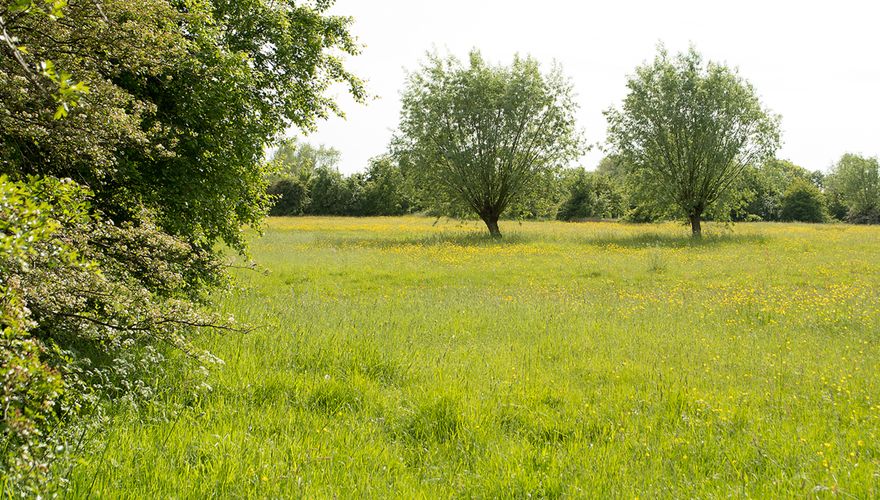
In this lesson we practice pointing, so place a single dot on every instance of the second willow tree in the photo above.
(480, 139)
(687, 131)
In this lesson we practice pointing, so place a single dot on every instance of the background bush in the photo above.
(309, 182)
(290, 196)
(803, 202)
(592, 195)
(88, 311)
(854, 184)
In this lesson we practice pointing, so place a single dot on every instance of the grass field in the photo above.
(396, 358)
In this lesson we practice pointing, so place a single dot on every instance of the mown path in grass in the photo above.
(397, 357)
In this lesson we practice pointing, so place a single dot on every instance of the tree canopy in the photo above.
(689, 130)
(475, 138)
(295, 158)
(765, 185)
(182, 99)
(856, 180)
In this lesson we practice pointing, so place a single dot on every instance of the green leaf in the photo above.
(20, 6)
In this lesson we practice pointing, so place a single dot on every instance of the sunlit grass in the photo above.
(400, 357)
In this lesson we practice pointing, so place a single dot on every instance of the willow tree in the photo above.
(688, 130)
(481, 138)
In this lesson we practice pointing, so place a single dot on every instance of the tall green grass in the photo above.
(395, 357)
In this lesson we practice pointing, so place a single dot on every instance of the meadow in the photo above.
(408, 357)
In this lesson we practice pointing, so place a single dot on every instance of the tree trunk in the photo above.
(696, 230)
(492, 223)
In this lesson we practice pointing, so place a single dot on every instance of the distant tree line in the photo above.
(307, 181)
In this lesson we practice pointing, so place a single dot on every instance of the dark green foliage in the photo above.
(290, 196)
(383, 189)
(330, 193)
(642, 214)
(765, 185)
(865, 216)
(304, 170)
(323, 190)
(592, 195)
(836, 206)
(182, 100)
(818, 179)
(635, 208)
(855, 184)
(803, 202)
(763, 197)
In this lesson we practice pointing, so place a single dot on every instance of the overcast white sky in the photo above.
(815, 63)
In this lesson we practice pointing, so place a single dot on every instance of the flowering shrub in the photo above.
(86, 309)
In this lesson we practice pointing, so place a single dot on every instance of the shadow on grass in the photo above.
(484, 239)
(461, 239)
(648, 240)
